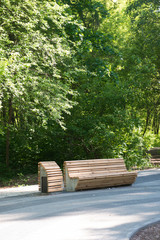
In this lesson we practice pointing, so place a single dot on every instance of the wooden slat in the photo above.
(54, 186)
(108, 182)
(54, 174)
(79, 171)
(93, 173)
(103, 176)
(95, 161)
(109, 179)
(55, 177)
(92, 166)
(75, 168)
(54, 180)
(55, 190)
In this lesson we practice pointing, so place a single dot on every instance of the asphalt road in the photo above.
(103, 214)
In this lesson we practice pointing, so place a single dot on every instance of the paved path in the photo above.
(104, 214)
(18, 191)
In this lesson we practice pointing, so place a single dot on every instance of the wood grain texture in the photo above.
(96, 173)
(54, 176)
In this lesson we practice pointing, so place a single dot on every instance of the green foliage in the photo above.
(36, 72)
(35, 77)
(142, 67)
(134, 150)
(78, 81)
(90, 12)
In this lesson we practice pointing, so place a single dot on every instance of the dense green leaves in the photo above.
(145, 53)
(79, 79)
(35, 60)
(33, 77)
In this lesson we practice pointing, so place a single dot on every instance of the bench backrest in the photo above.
(94, 166)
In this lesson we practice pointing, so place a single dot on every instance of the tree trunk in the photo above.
(147, 121)
(7, 146)
(8, 131)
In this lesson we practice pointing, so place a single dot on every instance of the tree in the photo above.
(36, 76)
(135, 28)
(99, 122)
(144, 62)
(133, 80)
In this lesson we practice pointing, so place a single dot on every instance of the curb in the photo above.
(142, 226)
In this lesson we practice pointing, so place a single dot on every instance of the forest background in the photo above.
(79, 79)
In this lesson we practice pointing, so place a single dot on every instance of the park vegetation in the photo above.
(79, 79)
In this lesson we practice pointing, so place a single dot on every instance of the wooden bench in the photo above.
(155, 155)
(155, 160)
(96, 173)
(50, 177)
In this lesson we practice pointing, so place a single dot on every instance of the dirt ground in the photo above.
(151, 232)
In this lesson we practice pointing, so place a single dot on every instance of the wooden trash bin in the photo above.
(50, 177)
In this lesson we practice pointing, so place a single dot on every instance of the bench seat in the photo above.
(96, 173)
